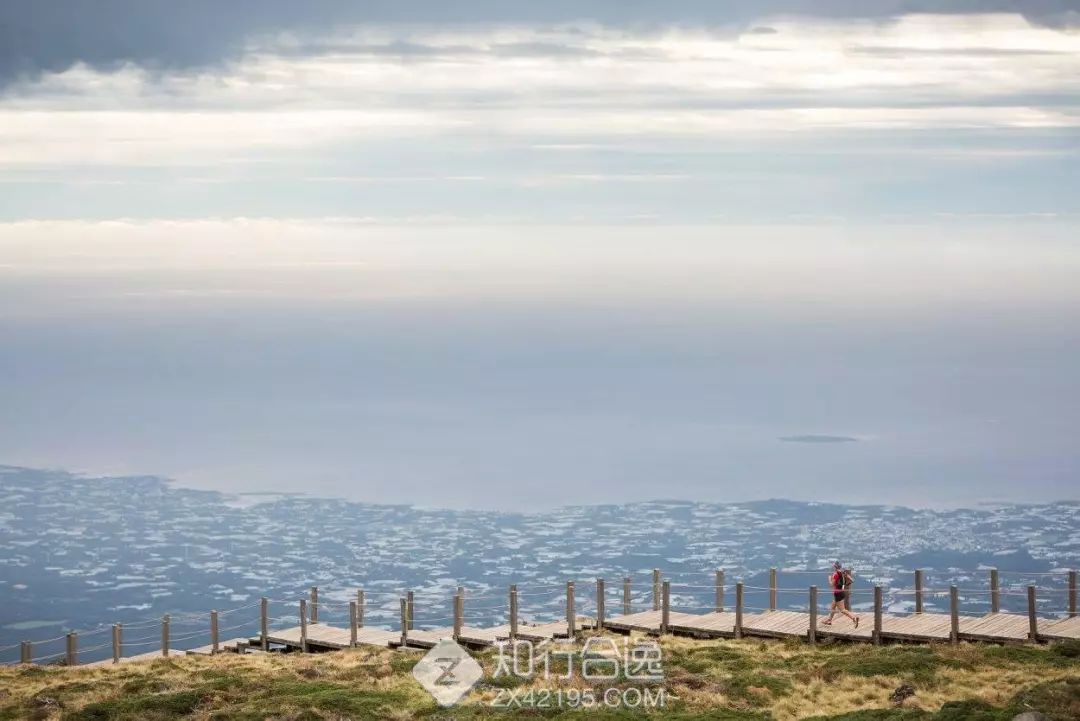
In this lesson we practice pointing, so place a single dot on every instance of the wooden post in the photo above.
(404, 622)
(359, 608)
(352, 624)
(665, 608)
(738, 609)
(656, 589)
(954, 615)
(571, 617)
(165, 635)
(314, 604)
(626, 596)
(995, 591)
(811, 635)
(303, 625)
(877, 615)
(71, 649)
(918, 590)
(410, 599)
(264, 623)
(459, 612)
(513, 612)
(599, 604)
(720, 591)
(214, 638)
(26, 652)
(1072, 594)
(117, 643)
(772, 589)
(1033, 622)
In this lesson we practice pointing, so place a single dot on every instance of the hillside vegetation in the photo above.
(747, 679)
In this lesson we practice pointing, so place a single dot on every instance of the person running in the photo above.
(836, 582)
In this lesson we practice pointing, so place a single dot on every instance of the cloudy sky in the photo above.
(521, 254)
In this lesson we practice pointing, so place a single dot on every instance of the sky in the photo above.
(519, 255)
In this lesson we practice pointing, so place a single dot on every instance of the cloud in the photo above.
(572, 122)
(814, 438)
(565, 84)
(138, 137)
(40, 37)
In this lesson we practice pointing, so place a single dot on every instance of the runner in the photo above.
(836, 582)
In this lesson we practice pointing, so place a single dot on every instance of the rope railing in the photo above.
(1036, 573)
(50, 640)
(129, 644)
(542, 593)
(489, 608)
(686, 608)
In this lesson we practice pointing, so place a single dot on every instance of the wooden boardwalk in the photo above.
(1061, 630)
(469, 636)
(844, 628)
(707, 625)
(481, 637)
(776, 624)
(741, 620)
(644, 621)
(538, 633)
(917, 627)
(920, 627)
(320, 635)
(997, 627)
(418, 638)
(323, 637)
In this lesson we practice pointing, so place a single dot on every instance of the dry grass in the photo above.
(704, 679)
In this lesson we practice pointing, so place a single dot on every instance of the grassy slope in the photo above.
(712, 680)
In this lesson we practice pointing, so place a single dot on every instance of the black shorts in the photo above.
(838, 595)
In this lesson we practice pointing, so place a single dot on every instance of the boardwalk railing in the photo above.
(695, 603)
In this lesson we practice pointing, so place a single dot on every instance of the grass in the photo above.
(735, 680)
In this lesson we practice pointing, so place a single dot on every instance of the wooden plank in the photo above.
(707, 625)
(916, 627)
(843, 627)
(676, 618)
(777, 624)
(325, 636)
(422, 639)
(549, 631)
(995, 627)
(471, 636)
(366, 636)
(646, 621)
(1060, 630)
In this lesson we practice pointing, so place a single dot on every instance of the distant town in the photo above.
(78, 552)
